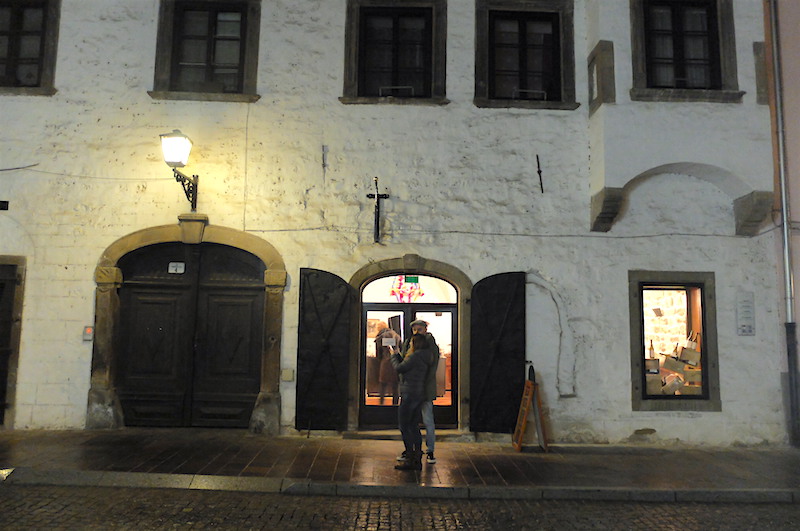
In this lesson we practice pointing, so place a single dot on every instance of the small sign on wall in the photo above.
(176, 268)
(745, 313)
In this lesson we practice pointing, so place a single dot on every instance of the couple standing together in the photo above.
(417, 368)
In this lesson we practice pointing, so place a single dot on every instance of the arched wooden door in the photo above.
(190, 335)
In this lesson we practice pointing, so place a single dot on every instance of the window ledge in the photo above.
(679, 404)
(203, 96)
(686, 95)
(392, 100)
(27, 91)
(526, 104)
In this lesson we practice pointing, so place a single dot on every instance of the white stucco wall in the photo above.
(464, 191)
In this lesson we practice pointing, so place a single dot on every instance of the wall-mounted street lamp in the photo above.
(176, 147)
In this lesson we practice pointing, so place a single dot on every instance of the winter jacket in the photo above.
(414, 368)
(430, 383)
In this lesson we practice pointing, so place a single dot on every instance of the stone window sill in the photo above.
(203, 96)
(686, 95)
(27, 91)
(525, 104)
(392, 100)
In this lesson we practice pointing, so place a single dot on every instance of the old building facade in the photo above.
(560, 184)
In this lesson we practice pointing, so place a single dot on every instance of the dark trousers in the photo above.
(409, 413)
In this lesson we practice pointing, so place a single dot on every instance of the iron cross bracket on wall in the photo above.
(377, 197)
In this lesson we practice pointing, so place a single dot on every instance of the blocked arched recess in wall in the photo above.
(104, 410)
(750, 207)
(565, 339)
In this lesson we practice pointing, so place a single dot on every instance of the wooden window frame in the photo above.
(728, 91)
(563, 10)
(679, 60)
(710, 399)
(166, 51)
(523, 19)
(48, 52)
(396, 14)
(353, 70)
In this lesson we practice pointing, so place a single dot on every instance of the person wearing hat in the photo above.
(413, 368)
(420, 327)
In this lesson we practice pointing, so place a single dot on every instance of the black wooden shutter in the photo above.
(323, 351)
(8, 281)
(497, 359)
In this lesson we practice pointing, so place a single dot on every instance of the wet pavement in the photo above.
(235, 460)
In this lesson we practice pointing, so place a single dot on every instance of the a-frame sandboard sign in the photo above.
(530, 398)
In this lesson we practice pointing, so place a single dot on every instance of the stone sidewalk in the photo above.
(332, 465)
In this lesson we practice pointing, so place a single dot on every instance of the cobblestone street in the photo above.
(55, 507)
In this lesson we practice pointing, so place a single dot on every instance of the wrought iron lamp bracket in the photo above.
(190, 186)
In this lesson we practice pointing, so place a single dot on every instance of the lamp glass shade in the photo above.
(176, 147)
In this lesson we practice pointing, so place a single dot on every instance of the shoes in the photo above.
(413, 462)
(430, 459)
(403, 456)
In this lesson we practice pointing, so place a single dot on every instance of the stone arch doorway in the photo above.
(409, 265)
(104, 407)
(389, 305)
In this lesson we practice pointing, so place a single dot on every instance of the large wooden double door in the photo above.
(191, 335)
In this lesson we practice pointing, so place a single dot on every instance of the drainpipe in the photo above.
(788, 275)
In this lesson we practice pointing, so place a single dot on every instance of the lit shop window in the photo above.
(673, 340)
(673, 333)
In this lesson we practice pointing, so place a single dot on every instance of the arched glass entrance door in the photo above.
(393, 302)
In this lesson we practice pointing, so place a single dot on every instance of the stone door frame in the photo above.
(104, 410)
(412, 264)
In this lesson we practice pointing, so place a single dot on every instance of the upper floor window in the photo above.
(684, 50)
(207, 50)
(28, 36)
(524, 58)
(682, 46)
(395, 53)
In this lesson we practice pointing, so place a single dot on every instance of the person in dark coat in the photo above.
(421, 327)
(413, 370)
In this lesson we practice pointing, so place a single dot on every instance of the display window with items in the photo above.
(673, 340)
(673, 332)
